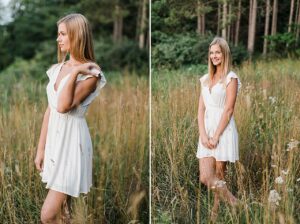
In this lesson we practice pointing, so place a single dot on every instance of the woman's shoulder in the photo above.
(232, 75)
(203, 79)
(51, 69)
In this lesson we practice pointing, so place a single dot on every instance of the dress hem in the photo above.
(64, 192)
(218, 160)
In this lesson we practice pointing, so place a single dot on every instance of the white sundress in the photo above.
(214, 101)
(68, 150)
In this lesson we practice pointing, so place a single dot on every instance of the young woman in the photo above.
(64, 154)
(218, 140)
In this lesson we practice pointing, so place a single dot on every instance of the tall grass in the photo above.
(267, 116)
(118, 122)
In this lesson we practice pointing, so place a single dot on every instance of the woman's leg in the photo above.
(52, 206)
(208, 176)
(220, 173)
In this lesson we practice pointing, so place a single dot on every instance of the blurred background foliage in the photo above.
(120, 33)
(182, 30)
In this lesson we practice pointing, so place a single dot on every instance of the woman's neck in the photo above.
(73, 62)
(218, 72)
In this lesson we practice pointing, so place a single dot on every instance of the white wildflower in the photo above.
(285, 172)
(274, 166)
(279, 180)
(273, 99)
(274, 197)
(298, 180)
(292, 144)
(219, 184)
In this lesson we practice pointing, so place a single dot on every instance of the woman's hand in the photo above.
(89, 68)
(39, 160)
(214, 142)
(205, 141)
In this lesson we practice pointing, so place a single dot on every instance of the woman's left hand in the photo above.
(87, 68)
(214, 142)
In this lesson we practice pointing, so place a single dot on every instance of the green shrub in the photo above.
(186, 49)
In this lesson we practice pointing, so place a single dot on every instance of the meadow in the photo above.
(267, 177)
(118, 120)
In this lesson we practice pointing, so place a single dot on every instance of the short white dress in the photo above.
(68, 150)
(214, 101)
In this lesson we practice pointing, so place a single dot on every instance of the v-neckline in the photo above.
(56, 90)
(210, 88)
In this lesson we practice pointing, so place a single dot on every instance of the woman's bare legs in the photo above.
(220, 173)
(212, 175)
(52, 206)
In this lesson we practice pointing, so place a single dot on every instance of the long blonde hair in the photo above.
(80, 36)
(226, 58)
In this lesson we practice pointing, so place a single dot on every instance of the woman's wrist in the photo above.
(215, 138)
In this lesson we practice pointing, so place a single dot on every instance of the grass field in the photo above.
(267, 115)
(118, 121)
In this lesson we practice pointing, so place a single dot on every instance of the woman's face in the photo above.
(62, 38)
(215, 54)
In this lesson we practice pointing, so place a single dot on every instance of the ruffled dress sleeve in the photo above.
(231, 75)
(50, 71)
(100, 84)
(203, 80)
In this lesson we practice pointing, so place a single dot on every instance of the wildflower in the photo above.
(219, 184)
(274, 197)
(285, 172)
(298, 180)
(273, 99)
(274, 166)
(279, 180)
(292, 144)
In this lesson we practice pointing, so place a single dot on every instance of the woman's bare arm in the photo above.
(231, 94)
(202, 131)
(42, 141)
(74, 92)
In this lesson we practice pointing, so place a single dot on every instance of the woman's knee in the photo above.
(203, 179)
(220, 170)
(47, 216)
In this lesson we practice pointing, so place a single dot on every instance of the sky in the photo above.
(5, 13)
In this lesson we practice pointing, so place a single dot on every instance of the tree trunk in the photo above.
(229, 22)
(224, 19)
(252, 27)
(267, 22)
(219, 19)
(237, 27)
(250, 17)
(274, 17)
(291, 16)
(298, 24)
(198, 18)
(118, 25)
(203, 24)
(143, 24)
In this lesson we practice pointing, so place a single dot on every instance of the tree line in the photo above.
(267, 28)
(119, 27)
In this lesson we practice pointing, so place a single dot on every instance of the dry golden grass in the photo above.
(267, 116)
(118, 122)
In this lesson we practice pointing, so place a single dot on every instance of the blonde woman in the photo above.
(218, 140)
(64, 154)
